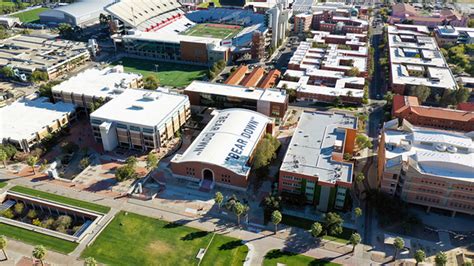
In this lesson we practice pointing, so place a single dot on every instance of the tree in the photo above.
(347, 156)
(45, 90)
(398, 244)
(276, 219)
(421, 92)
(31, 214)
(349, 94)
(219, 198)
(3, 245)
(96, 104)
(90, 261)
(420, 256)
(151, 161)
(470, 23)
(358, 212)
(360, 177)
(10, 150)
(84, 162)
(132, 161)
(266, 151)
(355, 239)
(38, 75)
(441, 259)
(3, 158)
(239, 209)
(353, 72)
(337, 101)
(316, 229)
(31, 161)
(65, 30)
(151, 83)
(6, 72)
(125, 172)
(333, 223)
(39, 253)
(461, 95)
(19, 207)
(363, 141)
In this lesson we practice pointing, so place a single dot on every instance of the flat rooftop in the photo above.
(141, 107)
(106, 83)
(434, 152)
(272, 95)
(311, 147)
(23, 118)
(231, 130)
(31, 52)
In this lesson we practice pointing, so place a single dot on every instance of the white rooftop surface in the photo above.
(81, 8)
(141, 107)
(310, 150)
(225, 134)
(408, 29)
(237, 91)
(23, 118)
(169, 37)
(444, 77)
(106, 83)
(423, 151)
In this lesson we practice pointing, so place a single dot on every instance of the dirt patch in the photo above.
(158, 247)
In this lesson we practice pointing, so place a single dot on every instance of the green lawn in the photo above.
(206, 30)
(169, 74)
(3, 184)
(61, 199)
(276, 256)
(30, 16)
(306, 224)
(33, 238)
(132, 239)
(206, 4)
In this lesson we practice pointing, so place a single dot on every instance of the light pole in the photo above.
(156, 67)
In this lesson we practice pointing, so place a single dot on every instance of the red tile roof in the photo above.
(252, 79)
(270, 79)
(466, 106)
(237, 76)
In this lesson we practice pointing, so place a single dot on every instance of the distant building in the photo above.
(28, 121)
(91, 85)
(140, 119)
(302, 23)
(28, 53)
(403, 12)
(258, 45)
(313, 166)
(429, 167)
(408, 108)
(277, 21)
(449, 35)
(270, 102)
(82, 13)
(222, 154)
(9, 22)
(257, 78)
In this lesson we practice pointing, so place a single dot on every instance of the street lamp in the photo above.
(156, 67)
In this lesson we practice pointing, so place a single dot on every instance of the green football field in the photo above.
(209, 30)
(169, 74)
(30, 16)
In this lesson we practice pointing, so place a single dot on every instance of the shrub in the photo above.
(36, 222)
(63, 221)
(19, 207)
(8, 213)
(47, 223)
(31, 214)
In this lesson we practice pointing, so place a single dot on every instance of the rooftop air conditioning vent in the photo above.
(441, 147)
(452, 149)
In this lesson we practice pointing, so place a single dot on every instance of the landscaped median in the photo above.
(278, 257)
(3, 184)
(132, 239)
(60, 199)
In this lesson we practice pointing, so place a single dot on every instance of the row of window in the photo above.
(459, 196)
(461, 205)
(431, 191)
(291, 184)
(292, 178)
(433, 183)
(190, 171)
(427, 199)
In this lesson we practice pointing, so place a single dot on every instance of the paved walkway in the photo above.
(291, 239)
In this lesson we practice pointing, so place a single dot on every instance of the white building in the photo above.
(27, 121)
(81, 13)
(92, 84)
(277, 21)
(140, 119)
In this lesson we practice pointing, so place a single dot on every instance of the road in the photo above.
(291, 239)
(376, 84)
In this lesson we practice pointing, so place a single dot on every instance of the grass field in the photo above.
(30, 16)
(206, 4)
(205, 30)
(61, 199)
(3, 184)
(33, 238)
(275, 257)
(169, 74)
(132, 239)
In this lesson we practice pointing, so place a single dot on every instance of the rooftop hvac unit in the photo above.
(441, 147)
(149, 96)
(452, 149)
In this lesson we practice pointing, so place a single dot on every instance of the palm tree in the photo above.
(219, 198)
(420, 256)
(3, 245)
(31, 161)
(355, 240)
(239, 209)
(39, 253)
(360, 177)
(441, 259)
(276, 219)
(398, 244)
(357, 212)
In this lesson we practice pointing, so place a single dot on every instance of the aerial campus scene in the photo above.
(236, 132)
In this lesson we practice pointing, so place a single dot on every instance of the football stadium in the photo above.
(161, 30)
